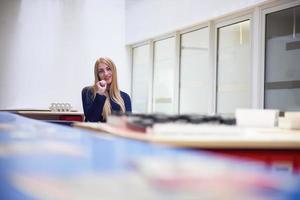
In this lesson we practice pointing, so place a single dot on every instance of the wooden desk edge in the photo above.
(183, 142)
(50, 113)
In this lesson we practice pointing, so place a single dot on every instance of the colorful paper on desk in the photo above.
(34, 148)
(161, 178)
(89, 186)
(127, 169)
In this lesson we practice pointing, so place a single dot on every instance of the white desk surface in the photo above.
(238, 138)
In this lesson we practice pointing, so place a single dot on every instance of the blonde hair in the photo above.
(114, 92)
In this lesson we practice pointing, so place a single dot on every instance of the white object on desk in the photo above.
(292, 115)
(60, 107)
(266, 118)
(291, 120)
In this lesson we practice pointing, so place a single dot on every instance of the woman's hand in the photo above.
(101, 87)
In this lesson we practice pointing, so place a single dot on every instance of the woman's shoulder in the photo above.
(87, 92)
(124, 95)
(87, 89)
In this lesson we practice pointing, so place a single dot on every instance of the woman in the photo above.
(104, 97)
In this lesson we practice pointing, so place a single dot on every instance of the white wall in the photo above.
(48, 49)
(149, 18)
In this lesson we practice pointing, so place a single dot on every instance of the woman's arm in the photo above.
(92, 107)
(127, 102)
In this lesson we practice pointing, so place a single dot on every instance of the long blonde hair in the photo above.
(114, 92)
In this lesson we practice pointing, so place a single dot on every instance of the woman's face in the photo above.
(105, 73)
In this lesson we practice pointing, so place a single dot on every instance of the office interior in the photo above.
(173, 57)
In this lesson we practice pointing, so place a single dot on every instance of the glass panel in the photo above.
(283, 99)
(140, 80)
(195, 82)
(164, 73)
(234, 63)
(282, 59)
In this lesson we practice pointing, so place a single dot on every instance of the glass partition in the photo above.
(141, 77)
(282, 58)
(195, 74)
(164, 76)
(234, 67)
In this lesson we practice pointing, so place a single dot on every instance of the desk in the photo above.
(49, 115)
(40, 160)
(278, 149)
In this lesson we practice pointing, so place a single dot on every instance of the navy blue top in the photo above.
(93, 107)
